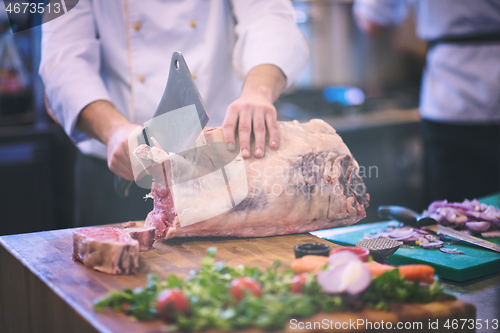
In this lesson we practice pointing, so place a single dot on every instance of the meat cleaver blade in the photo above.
(178, 132)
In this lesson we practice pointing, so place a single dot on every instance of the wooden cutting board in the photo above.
(43, 290)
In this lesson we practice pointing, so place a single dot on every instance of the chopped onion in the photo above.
(478, 226)
(437, 204)
(473, 213)
(422, 241)
(433, 245)
(491, 234)
(410, 239)
(451, 251)
(432, 238)
(399, 234)
(459, 214)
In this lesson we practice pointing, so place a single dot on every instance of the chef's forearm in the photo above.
(267, 80)
(100, 119)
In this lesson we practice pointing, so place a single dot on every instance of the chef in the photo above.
(105, 65)
(460, 94)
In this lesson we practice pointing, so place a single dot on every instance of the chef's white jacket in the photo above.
(461, 82)
(120, 51)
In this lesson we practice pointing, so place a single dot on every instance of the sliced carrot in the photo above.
(377, 269)
(308, 264)
(422, 273)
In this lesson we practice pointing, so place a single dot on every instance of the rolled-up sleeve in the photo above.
(267, 34)
(383, 12)
(69, 66)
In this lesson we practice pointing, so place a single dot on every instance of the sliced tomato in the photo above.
(361, 252)
(240, 286)
(298, 282)
(170, 302)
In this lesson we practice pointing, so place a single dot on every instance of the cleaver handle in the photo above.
(405, 215)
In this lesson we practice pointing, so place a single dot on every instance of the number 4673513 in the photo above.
(26, 7)
(471, 324)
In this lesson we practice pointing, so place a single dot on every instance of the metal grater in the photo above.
(380, 248)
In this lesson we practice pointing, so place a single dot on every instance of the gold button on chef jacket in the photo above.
(99, 51)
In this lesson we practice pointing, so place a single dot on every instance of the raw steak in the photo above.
(311, 182)
(108, 250)
(144, 235)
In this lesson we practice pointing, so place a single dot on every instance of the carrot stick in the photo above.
(308, 264)
(422, 273)
(377, 269)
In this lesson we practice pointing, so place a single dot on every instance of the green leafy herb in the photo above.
(213, 307)
(390, 287)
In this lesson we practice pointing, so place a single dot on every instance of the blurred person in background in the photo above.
(105, 65)
(460, 93)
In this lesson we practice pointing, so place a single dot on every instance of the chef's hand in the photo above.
(254, 110)
(118, 152)
(102, 121)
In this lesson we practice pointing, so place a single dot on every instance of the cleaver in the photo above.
(408, 216)
(178, 120)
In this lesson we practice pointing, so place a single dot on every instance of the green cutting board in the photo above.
(475, 261)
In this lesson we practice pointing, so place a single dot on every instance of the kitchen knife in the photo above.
(179, 133)
(408, 216)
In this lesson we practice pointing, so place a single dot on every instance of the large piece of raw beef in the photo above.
(311, 182)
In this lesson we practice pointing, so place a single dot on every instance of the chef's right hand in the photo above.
(118, 152)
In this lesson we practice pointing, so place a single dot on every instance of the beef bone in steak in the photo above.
(144, 235)
(108, 250)
(310, 182)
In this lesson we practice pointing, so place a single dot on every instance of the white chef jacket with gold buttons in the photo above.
(120, 51)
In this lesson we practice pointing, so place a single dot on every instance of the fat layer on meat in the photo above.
(310, 182)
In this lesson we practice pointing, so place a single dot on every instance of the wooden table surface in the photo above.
(43, 290)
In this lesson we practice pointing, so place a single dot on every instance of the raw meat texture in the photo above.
(311, 182)
(108, 250)
(144, 235)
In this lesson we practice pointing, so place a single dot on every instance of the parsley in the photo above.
(212, 306)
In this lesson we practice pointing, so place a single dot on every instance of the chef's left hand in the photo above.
(254, 111)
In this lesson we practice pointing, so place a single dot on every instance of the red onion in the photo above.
(437, 204)
(433, 245)
(491, 214)
(422, 241)
(473, 213)
(491, 234)
(451, 251)
(431, 237)
(345, 273)
(340, 258)
(459, 214)
(399, 234)
(436, 216)
(478, 226)
(410, 239)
